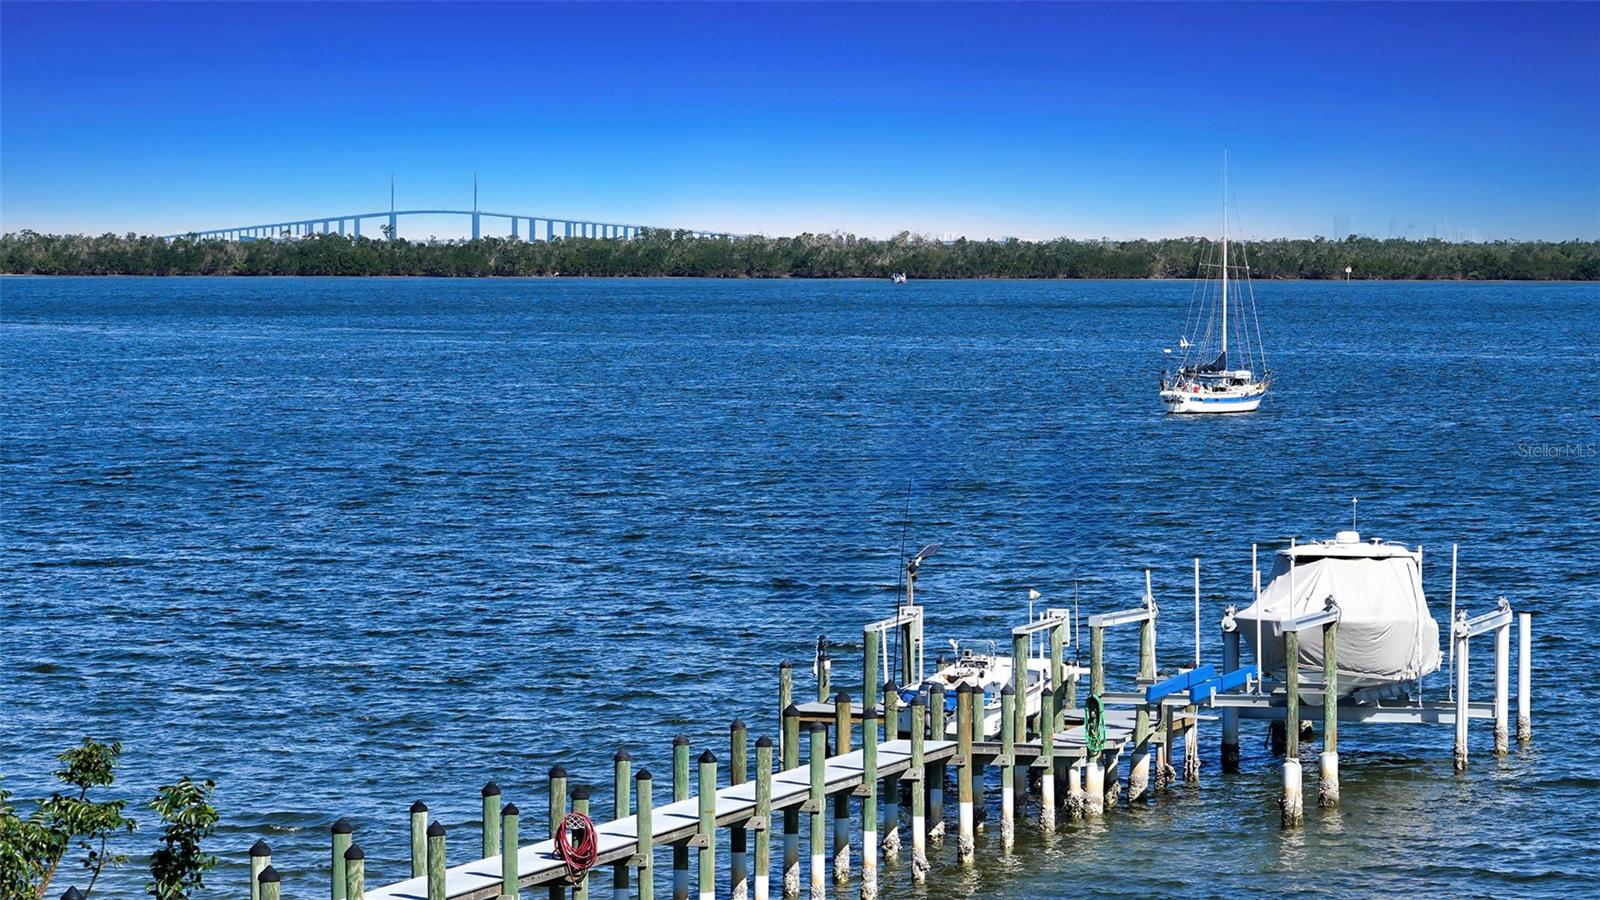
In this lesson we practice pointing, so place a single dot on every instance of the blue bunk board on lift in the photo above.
(1238, 678)
(1180, 682)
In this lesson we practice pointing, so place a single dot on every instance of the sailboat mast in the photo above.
(1224, 258)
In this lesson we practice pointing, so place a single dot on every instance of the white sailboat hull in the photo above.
(1186, 402)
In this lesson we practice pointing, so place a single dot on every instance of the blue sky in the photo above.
(986, 120)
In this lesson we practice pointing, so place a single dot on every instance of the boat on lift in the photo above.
(1211, 377)
(988, 672)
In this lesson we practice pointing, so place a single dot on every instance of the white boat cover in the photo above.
(1386, 634)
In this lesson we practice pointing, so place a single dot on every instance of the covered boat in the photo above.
(1387, 638)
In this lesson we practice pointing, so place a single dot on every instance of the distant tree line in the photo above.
(669, 253)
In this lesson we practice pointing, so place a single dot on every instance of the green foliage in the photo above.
(178, 867)
(32, 849)
(670, 253)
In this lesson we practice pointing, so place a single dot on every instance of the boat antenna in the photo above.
(1353, 502)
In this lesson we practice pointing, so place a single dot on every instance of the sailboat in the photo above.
(1211, 377)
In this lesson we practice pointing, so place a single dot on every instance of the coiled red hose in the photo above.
(577, 845)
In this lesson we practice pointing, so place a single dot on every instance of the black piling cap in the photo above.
(790, 711)
(558, 772)
(763, 742)
(1010, 690)
(419, 807)
(964, 688)
(707, 757)
(342, 826)
(869, 712)
(889, 687)
(737, 725)
(72, 893)
(644, 775)
(681, 740)
(269, 875)
(621, 756)
(510, 809)
(786, 665)
(581, 792)
(354, 852)
(491, 790)
(818, 726)
(260, 848)
(841, 697)
(436, 829)
(918, 700)
(936, 688)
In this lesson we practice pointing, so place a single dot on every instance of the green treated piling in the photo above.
(936, 771)
(269, 880)
(680, 792)
(967, 823)
(1047, 759)
(510, 817)
(785, 698)
(491, 819)
(558, 812)
(791, 815)
(355, 873)
(1139, 771)
(645, 859)
(1292, 808)
(817, 804)
(1019, 682)
(891, 784)
(869, 801)
(419, 839)
(340, 832)
(1328, 786)
(916, 773)
(841, 800)
(621, 793)
(707, 834)
(436, 861)
(763, 861)
(1097, 665)
(869, 667)
(1059, 683)
(738, 839)
(824, 670)
(580, 805)
(260, 859)
(1008, 761)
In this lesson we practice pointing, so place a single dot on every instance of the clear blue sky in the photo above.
(1028, 120)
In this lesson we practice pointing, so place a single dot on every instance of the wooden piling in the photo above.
(680, 791)
(1019, 682)
(1047, 761)
(869, 801)
(934, 782)
(269, 881)
(340, 832)
(558, 812)
(1008, 760)
(260, 859)
(1230, 717)
(580, 806)
(1328, 785)
(491, 819)
(510, 817)
(1139, 769)
(1060, 684)
(738, 839)
(355, 873)
(916, 773)
(816, 805)
(785, 699)
(437, 864)
(1524, 678)
(644, 859)
(791, 815)
(1461, 698)
(841, 800)
(1077, 799)
(824, 670)
(869, 666)
(706, 836)
(1291, 807)
(1502, 688)
(967, 824)
(419, 839)
(763, 860)
(891, 784)
(621, 806)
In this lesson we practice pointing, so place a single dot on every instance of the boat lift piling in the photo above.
(915, 753)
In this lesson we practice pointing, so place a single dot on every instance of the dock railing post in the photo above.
(707, 834)
(1328, 786)
(680, 792)
(763, 861)
(817, 805)
(1524, 678)
(1230, 717)
(340, 832)
(580, 806)
(1008, 760)
(1461, 643)
(1292, 808)
(841, 800)
(916, 773)
(644, 859)
(419, 839)
(621, 803)
(436, 861)
(491, 820)
(791, 815)
(738, 838)
(509, 819)
(1047, 757)
(934, 782)
(869, 800)
(260, 858)
(1502, 685)
(558, 812)
(891, 784)
(355, 873)
(966, 827)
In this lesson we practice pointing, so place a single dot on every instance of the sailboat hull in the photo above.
(1184, 403)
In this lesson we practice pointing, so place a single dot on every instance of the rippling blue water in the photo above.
(343, 544)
